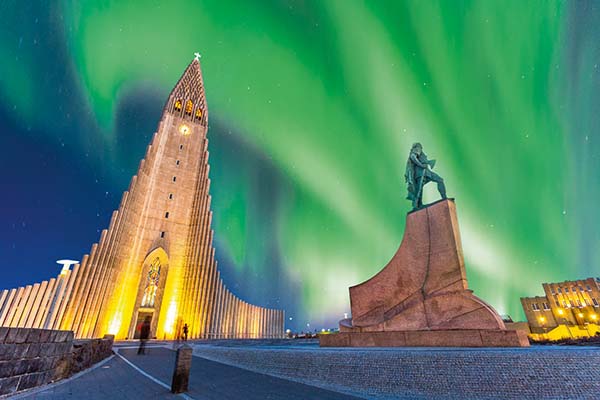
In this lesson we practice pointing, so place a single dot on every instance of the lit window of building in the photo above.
(189, 106)
(177, 106)
(151, 284)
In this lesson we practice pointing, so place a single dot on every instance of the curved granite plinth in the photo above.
(421, 297)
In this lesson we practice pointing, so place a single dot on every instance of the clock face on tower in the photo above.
(184, 130)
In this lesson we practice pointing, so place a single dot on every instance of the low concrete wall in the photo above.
(539, 372)
(34, 357)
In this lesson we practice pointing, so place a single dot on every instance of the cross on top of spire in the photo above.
(197, 56)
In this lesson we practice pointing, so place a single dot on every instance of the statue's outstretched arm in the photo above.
(414, 159)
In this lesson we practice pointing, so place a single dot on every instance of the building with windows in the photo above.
(568, 309)
(156, 259)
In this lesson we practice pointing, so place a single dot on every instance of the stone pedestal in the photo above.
(181, 374)
(421, 297)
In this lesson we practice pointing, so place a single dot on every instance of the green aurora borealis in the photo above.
(313, 106)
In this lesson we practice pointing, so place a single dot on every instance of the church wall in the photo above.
(102, 294)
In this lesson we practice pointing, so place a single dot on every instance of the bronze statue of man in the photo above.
(418, 174)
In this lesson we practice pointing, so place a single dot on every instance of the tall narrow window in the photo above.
(167, 214)
(595, 302)
(174, 178)
(162, 234)
(199, 113)
(180, 147)
(151, 283)
(177, 106)
(177, 162)
(189, 106)
(170, 196)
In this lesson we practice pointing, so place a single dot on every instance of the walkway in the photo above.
(209, 380)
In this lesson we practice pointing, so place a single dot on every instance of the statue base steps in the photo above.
(428, 338)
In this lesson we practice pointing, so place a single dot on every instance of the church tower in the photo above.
(156, 260)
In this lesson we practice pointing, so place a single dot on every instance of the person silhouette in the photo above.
(144, 335)
(185, 331)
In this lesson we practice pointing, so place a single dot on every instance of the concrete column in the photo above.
(181, 374)
(28, 309)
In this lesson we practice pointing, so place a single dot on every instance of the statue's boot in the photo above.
(442, 189)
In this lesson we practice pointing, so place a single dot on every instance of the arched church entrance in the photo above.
(150, 292)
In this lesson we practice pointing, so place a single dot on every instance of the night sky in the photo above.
(313, 108)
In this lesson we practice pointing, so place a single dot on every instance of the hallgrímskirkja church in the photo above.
(156, 259)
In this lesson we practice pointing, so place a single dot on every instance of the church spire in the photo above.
(187, 98)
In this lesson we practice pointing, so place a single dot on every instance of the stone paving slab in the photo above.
(215, 381)
(113, 380)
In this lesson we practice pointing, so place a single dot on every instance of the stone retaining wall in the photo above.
(33, 357)
(542, 372)
(89, 352)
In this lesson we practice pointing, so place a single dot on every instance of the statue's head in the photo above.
(416, 148)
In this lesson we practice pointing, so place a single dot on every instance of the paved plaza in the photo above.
(209, 380)
(299, 369)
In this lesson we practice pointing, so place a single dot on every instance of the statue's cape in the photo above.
(410, 175)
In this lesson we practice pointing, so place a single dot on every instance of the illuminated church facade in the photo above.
(156, 259)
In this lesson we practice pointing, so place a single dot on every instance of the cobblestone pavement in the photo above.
(537, 372)
(215, 381)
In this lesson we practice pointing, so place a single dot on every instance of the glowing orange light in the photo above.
(170, 320)
(560, 311)
(184, 130)
(115, 324)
